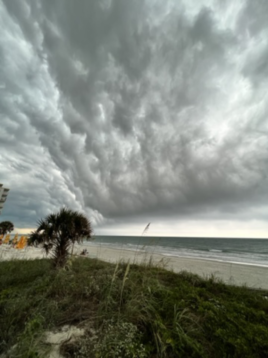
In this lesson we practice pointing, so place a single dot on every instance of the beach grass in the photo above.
(127, 310)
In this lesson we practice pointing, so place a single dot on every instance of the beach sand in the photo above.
(230, 273)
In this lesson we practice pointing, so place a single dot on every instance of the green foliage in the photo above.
(57, 232)
(6, 227)
(119, 339)
(28, 342)
(130, 310)
(113, 340)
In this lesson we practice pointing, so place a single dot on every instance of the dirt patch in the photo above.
(65, 334)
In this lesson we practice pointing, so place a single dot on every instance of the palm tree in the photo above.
(5, 227)
(57, 232)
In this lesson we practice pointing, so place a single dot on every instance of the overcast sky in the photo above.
(135, 112)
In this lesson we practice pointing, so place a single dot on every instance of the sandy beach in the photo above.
(230, 273)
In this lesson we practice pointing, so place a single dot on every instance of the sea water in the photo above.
(243, 251)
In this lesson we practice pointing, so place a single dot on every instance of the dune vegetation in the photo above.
(127, 310)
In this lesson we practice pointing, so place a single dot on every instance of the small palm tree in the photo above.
(57, 232)
(6, 227)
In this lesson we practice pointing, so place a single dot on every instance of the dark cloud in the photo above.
(128, 108)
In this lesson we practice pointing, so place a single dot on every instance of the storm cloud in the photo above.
(125, 109)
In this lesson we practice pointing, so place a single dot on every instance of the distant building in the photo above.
(3, 196)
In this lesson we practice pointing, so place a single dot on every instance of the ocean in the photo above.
(241, 251)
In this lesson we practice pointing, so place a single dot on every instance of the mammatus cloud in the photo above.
(124, 109)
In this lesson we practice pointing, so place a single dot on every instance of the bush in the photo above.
(114, 340)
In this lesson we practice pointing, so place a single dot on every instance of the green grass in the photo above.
(128, 311)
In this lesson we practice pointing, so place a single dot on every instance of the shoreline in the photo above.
(230, 273)
(176, 256)
(238, 274)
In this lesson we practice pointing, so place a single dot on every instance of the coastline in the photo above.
(231, 273)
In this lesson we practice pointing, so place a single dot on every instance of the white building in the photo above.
(3, 196)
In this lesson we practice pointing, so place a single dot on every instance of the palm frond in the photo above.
(58, 231)
(35, 238)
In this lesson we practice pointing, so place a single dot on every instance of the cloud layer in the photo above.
(124, 109)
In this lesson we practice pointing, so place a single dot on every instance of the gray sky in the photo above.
(135, 112)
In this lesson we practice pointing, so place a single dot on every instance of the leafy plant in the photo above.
(114, 340)
(6, 227)
(28, 344)
(57, 232)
